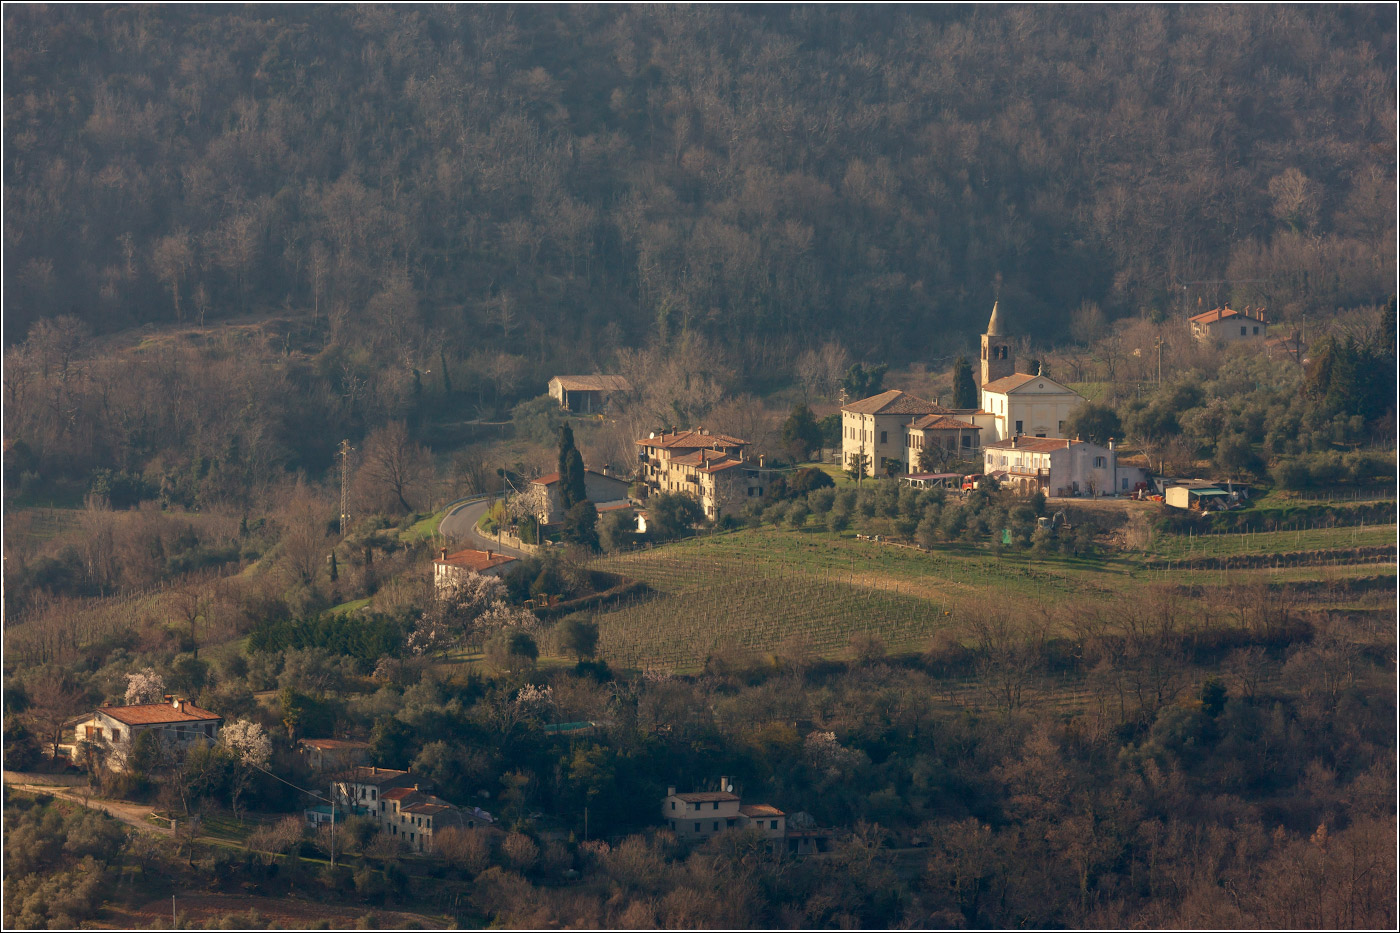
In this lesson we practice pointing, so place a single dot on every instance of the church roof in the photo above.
(994, 326)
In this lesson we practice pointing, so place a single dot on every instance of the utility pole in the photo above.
(1159, 359)
(345, 449)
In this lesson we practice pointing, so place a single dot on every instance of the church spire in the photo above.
(994, 325)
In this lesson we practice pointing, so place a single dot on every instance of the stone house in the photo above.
(586, 393)
(333, 754)
(177, 722)
(544, 496)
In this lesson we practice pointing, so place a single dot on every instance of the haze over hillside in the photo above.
(538, 178)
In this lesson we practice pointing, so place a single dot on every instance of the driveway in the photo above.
(460, 525)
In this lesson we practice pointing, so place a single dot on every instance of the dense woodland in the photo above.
(528, 179)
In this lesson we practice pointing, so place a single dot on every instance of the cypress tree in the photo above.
(964, 388)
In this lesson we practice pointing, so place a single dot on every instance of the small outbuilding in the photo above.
(586, 393)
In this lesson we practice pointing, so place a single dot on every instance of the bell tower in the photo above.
(997, 360)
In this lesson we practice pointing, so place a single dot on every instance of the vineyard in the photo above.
(766, 591)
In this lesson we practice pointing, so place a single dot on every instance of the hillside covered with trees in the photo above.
(531, 179)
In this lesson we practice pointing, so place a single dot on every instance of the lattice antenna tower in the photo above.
(345, 449)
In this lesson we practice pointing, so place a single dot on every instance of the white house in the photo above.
(1024, 404)
(178, 724)
(699, 815)
(451, 570)
(545, 494)
(1054, 466)
(1230, 326)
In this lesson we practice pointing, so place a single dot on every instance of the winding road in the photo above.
(460, 525)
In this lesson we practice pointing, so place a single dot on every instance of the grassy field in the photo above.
(762, 590)
(1177, 547)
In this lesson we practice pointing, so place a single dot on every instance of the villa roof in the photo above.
(693, 439)
(941, 423)
(707, 797)
(1227, 312)
(1037, 445)
(895, 402)
(146, 714)
(368, 774)
(760, 809)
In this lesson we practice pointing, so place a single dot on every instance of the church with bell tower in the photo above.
(1020, 404)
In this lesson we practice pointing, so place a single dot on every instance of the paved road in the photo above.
(460, 526)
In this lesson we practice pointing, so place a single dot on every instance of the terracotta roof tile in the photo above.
(146, 714)
(894, 402)
(1007, 383)
(941, 423)
(549, 479)
(691, 440)
(1033, 444)
(761, 809)
(1227, 312)
(707, 797)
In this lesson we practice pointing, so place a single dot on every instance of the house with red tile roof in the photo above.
(1226, 325)
(176, 722)
(450, 570)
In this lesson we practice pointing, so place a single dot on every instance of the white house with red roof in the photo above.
(451, 570)
(177, 722)
(1021, 403)
(1227, 325)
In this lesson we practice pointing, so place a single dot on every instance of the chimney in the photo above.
(442, 554)
(373, 769)
(490, 554)
(1110, 443)
(760, 461)
(723, 783)
(671, 791)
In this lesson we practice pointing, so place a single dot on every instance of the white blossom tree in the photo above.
(250, 748)
(144, 687)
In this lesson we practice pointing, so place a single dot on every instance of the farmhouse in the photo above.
(177, 723)
(697, 816)
(586, 393)
(1227, 325)
(1054, 466)
(451, 570)
(544, 496)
